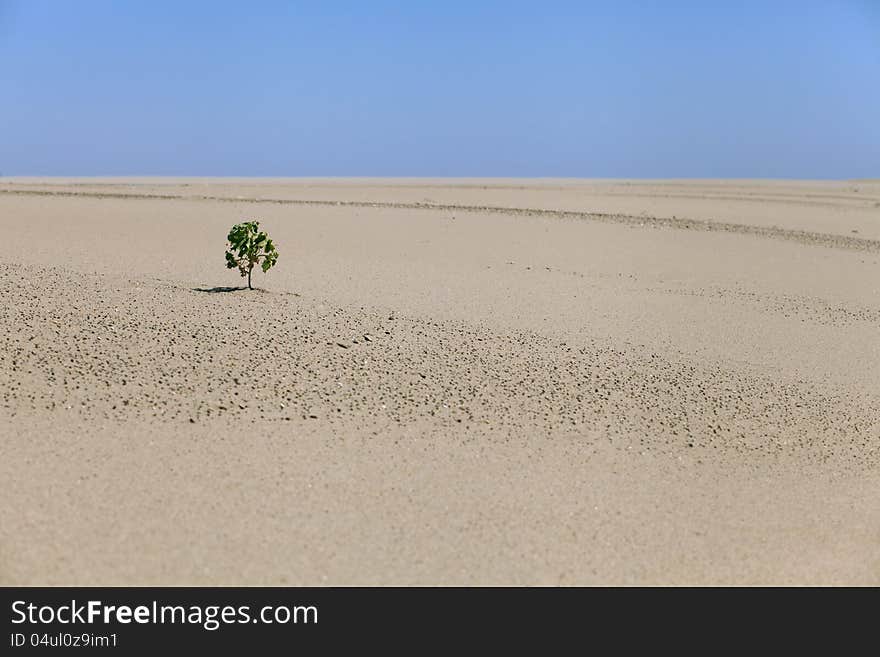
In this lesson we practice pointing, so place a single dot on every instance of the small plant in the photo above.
(249, 246)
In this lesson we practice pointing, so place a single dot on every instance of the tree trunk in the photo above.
(249, 278)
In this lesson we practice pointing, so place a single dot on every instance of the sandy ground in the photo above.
(442, 382)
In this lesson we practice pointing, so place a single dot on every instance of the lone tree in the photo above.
(249, 246)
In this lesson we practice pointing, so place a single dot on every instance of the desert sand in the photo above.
(442, 382)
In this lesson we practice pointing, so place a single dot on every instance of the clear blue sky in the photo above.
(747, 88)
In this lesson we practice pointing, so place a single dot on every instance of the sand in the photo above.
(442, 382)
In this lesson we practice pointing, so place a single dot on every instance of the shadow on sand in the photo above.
(219, 290)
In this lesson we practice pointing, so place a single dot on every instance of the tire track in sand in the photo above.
(810, 238)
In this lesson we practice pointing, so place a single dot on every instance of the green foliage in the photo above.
(248, 247)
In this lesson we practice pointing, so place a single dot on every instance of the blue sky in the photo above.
(459, 88)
